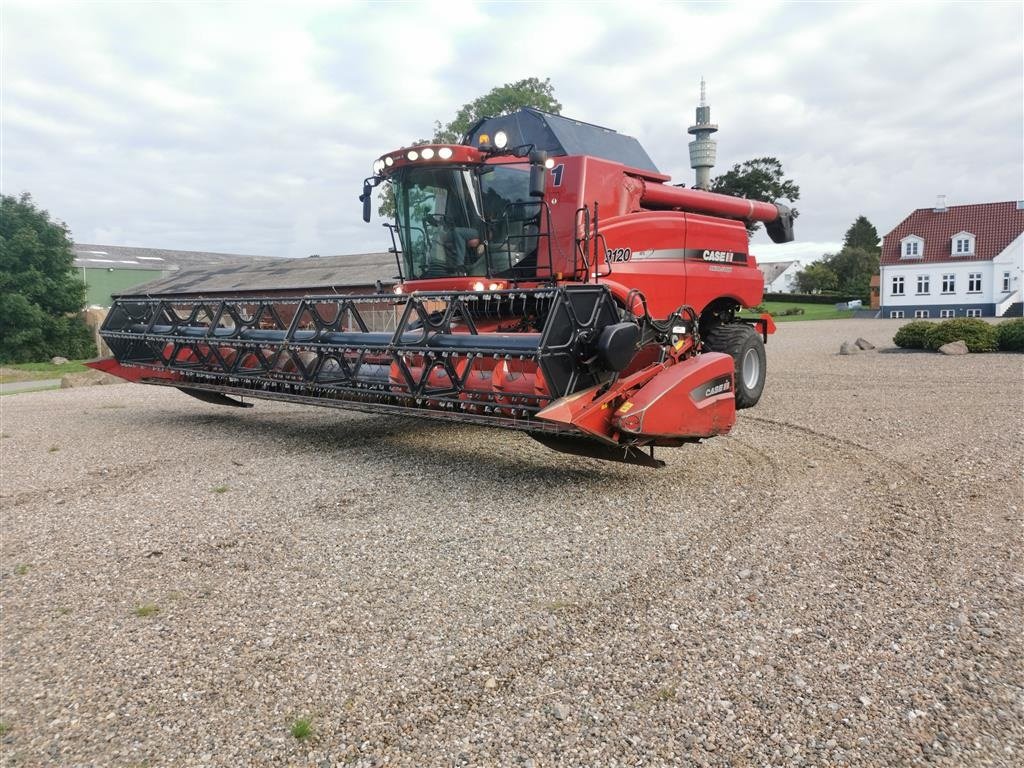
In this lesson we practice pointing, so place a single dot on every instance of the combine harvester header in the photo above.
(550, 281)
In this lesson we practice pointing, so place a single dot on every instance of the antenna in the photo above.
(703, 92)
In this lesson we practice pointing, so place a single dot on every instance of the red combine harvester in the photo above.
(550, 281)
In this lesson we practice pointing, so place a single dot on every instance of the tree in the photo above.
(502, 100)
(816, 278)
(853, 268)
(758, 179)
(862, 234)
(41, 291)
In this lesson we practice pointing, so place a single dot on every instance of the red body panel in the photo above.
(691, 399)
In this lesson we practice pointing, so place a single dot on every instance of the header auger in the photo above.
(550, 281)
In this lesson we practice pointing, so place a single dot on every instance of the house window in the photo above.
(897, 286)
(923, 283)
(947, 313)
(911, 247)
(1006, 282)
(974, 282)
(949, 283)
(963, 244)
(974, 313)
(896, 314)
(920, 313)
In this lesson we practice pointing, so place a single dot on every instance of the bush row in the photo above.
(1007, 336)
(811, 298)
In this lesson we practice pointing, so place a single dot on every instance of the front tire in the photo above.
(744, 345)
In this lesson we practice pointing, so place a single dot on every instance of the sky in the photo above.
(247, 127)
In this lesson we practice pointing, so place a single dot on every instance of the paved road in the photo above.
(11, 387)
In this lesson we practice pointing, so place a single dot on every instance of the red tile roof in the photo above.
(994, 226)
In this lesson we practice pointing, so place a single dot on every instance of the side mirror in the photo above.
(538, 173)
(367, 200)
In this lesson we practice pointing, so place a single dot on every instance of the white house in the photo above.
(779, 276)
(960, 261)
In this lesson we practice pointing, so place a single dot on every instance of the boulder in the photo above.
(954, 348)
(864, 344)
(58, 360)
(87, 379)
(849, 348)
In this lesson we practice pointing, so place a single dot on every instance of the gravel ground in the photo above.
(837, 582)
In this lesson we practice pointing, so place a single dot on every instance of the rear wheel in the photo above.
(744, 345)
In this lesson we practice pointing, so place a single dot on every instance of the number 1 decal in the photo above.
(557, 172)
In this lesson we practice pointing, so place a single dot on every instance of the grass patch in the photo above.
(221, 489)
(666, 694)
(33, 371)
(810, 312)
(4, 728)
(301, 728)
(53, 448)
(22, 569)
(146, 610)
(559, 605)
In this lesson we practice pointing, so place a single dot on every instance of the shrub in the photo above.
(913, 335)
(1010, 335)
(977, 334)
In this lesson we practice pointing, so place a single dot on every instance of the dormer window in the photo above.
(962, 244)
(911, 247)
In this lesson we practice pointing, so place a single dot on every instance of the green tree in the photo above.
(816, 278)
(502, 100)
(759, 179)
(41, 292)
(862, 234)
(853, 268)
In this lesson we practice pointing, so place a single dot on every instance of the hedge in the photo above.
(812, 298)
(913, 335)
(977, 334)
(1010, 335)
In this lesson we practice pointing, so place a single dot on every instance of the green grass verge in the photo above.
(810, 312)
(32, 371)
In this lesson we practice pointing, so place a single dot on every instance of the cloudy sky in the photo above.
(248, 127)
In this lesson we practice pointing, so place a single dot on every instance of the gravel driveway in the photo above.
(837, 582)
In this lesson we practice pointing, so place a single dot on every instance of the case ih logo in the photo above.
(710, 389)
(719, 257)
(715, 257)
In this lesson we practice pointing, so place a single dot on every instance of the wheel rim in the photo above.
(751, 369)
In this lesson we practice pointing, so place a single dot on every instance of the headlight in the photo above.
(478, 286)
(445, 153)
(389, 161)
(413, 155)
(549, 163)
(428, 154)
(500, 139)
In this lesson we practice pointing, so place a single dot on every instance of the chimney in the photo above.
(940, 204)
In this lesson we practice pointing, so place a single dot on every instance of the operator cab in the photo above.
(456, 221)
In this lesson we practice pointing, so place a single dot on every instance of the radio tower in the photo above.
(703, 147)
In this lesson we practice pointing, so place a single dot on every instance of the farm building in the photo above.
(956, 261)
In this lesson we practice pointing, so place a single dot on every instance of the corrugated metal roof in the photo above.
(994, 226)
(94, 256)
(309, 275)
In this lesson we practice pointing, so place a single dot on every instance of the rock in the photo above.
(986, 631)
(849, 349)
(87, 379)
(954, 348)
(864, 344)
(865, 701)
(746, 573)
(491, 683)
(58, 360)
(559, 712)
